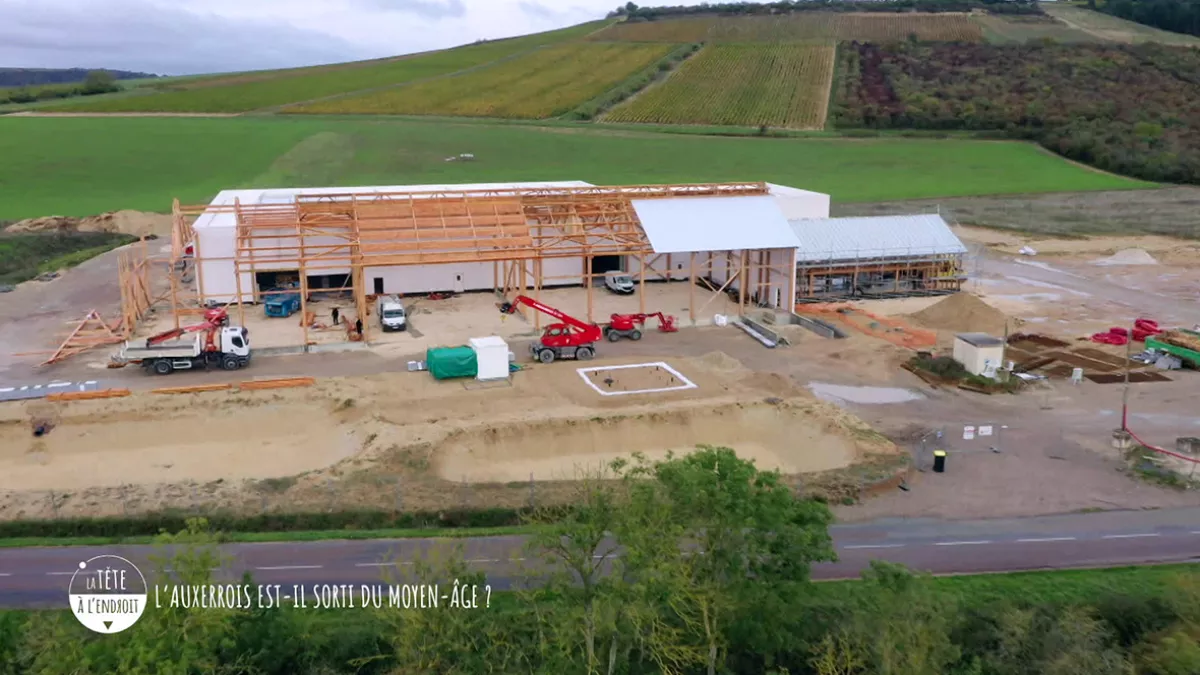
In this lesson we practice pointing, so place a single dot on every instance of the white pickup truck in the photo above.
(231, 351)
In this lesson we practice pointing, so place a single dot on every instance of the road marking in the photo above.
(1030, 541)
(388, 564)
(874, 546)
(1129, 536)
(59, 574)
(1195, 531)
(291, 567)
(484, 560)
(961, 543)
(5, 574)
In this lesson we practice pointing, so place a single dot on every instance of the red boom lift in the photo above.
(571, 339)
(627, 325)
(214, 319)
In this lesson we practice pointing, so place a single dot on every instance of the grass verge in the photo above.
(24, 255)
(265, 537)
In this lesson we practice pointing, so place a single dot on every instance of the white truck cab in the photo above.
(618, 282)
(392, 315)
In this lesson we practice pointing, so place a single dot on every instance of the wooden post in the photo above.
(742, 286)
(197, 257)
(642, 282)
(304, 303)
(692, 287)
(588, 281)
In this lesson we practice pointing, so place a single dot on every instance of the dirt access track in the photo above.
(404, 439)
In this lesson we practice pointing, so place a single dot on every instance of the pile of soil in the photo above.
(136, 223)
(1129, 256)
(963, 313)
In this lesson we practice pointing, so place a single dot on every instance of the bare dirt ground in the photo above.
(427, 440)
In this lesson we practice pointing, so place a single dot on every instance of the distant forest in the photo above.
(633, 12)
(1179, 16)
(33, 77)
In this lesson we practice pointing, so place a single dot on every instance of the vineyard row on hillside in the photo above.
(545, 83)
(1127, 109)
(798, 27)
(781, 85)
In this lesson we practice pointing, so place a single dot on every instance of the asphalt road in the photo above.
(39, 577)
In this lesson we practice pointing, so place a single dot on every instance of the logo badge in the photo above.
(107, 593)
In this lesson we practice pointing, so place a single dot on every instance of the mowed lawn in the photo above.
(83, 166)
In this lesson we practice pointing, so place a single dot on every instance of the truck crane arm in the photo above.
(213, 319)
(551, 311)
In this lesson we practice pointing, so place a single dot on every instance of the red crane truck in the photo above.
(220, 345)
(571, 339)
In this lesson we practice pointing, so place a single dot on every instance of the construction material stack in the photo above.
(446, 363)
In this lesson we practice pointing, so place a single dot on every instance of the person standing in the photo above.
(335, 316)
(358, 326)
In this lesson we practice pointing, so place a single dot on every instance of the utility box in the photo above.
(491, 357)
(979, 353)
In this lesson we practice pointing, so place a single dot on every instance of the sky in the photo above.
(184, 37)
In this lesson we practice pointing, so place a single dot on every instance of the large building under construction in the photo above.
(759, 244)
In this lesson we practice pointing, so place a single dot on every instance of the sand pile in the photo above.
(136, 223)
(962, 313)
(1129, 256)
(721, 362)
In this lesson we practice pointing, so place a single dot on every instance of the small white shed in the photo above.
(978, 352)
(491, 356)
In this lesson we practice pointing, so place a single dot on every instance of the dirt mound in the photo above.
(962, 312)
(136, 223)
(721, 362)
(1129, 256)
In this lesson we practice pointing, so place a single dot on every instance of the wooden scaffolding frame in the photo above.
(911, 274)
(516, 229)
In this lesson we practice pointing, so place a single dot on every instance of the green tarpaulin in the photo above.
(447, 362)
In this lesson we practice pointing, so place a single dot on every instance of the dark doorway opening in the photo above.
(378, 286)
(606, 263)
(318, 282)
(271, 281)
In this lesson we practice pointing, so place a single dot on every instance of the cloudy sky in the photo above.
(180, 37)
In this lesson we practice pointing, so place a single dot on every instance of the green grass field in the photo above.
(84, 166)
(254, 91)
(544, 83)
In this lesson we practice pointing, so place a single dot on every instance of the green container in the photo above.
(449, 362)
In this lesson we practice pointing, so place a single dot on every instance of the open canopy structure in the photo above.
(518, 230)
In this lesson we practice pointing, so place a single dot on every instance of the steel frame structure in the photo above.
(516, 229)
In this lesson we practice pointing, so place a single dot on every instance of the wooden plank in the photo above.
(86, 395)
(250, 385)
(192, 389)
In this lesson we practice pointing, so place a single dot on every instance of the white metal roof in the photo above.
(874, 237)
(686, 224)
(786, 191)
(288, 195)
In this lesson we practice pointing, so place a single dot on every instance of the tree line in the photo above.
(1127, 109)
(1178, 16)
(633, 12)
(615, 592)
(96, 82)
(34, 77)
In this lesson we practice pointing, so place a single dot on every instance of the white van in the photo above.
(618, 282)
(391, 313)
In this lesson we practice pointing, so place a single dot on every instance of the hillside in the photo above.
(34, 77)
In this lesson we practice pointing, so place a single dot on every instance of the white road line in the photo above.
(1030, 541)
(961, 543)
(1195, 531)
(1129, 536)
(5, 390)
(5, 574)
(291, 567)
(59, 574)
(874, 546)
(483, 560)
(392, 564)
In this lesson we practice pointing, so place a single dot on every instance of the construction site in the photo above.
(437, 347)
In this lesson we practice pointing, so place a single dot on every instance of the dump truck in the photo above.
(1171, 342)
(216, 344)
